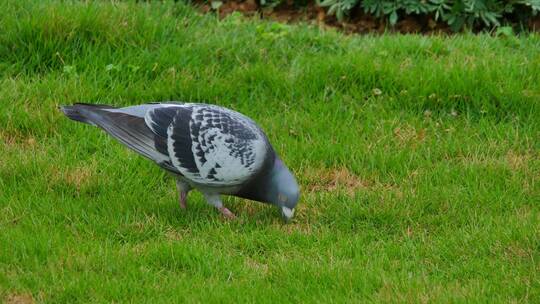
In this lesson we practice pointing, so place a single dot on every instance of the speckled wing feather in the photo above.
(208, 144)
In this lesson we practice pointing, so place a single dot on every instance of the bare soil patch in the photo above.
(330, 180)
(23, 298)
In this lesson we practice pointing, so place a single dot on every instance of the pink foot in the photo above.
(227, 213)
(183, 203)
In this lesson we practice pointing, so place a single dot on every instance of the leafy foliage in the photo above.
(458, 14)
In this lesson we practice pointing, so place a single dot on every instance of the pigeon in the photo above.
(206, 147)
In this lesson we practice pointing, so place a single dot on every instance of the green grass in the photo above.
(418, 158)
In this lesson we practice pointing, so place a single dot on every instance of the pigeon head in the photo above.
(284, 191)
(275, 185)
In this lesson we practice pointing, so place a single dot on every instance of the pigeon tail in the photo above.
(130, 130)
(74, 112)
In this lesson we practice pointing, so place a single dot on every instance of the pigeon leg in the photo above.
(183, 190)
(215, 200)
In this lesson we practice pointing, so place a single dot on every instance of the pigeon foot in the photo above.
(183, 200)
(227, 213)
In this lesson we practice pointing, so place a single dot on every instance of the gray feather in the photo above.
(130, 130)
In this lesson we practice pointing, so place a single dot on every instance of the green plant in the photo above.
(339, 7)
(458, 14)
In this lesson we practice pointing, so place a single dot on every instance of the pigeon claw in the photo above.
(227, 213)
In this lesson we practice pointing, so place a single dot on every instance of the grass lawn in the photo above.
(418, 158)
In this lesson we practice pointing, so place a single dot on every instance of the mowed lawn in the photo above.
(418, 159)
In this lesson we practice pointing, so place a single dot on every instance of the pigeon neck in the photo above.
(260, 188)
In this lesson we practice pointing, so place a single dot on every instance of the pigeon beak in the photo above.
(287, 213)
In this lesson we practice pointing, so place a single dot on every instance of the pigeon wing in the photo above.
(210, 145)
